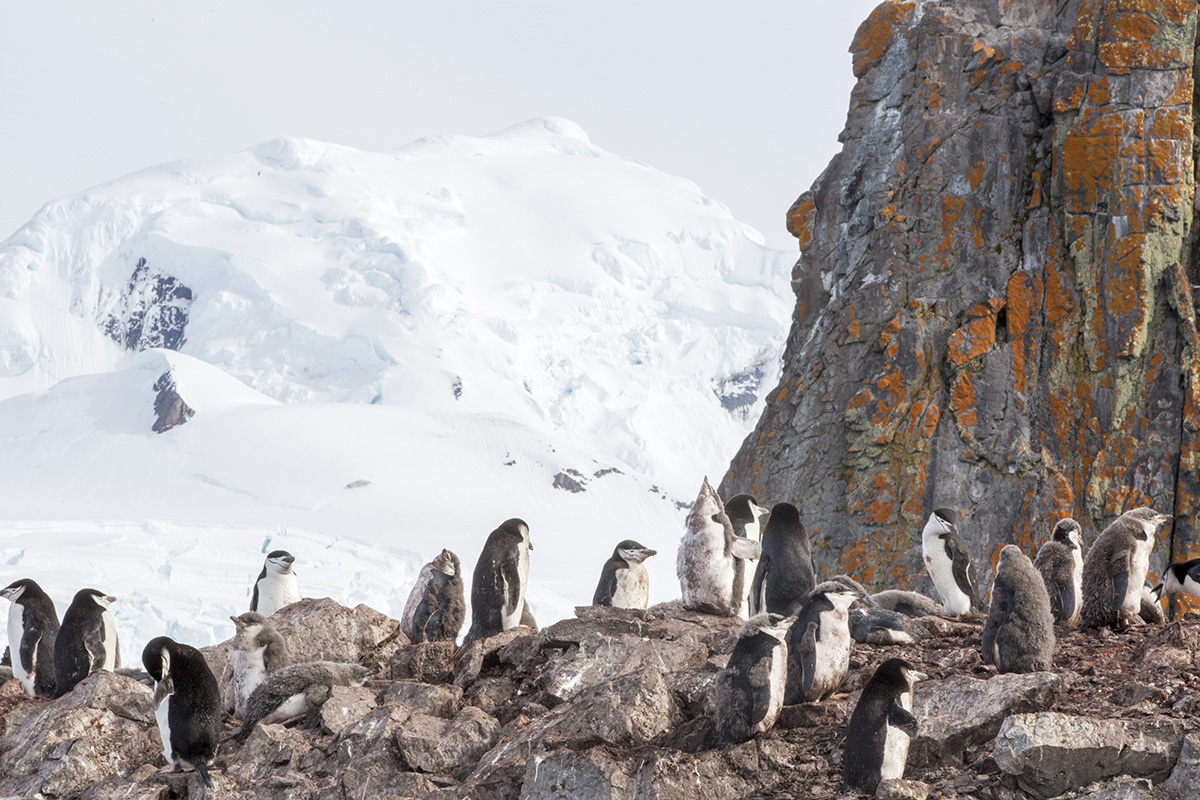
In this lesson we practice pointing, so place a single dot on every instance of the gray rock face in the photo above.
(567, 775)
(346, 705)
(170, 408)
(432, 744)
(435, 700)
(151, 312)
(1186, 776)
(960, 712)
(1051, 753)
(427, 662)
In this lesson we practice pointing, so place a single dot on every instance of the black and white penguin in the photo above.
(1060, 562)
(258, 651)
(1115, 569)
(187, 704)
(819, 645)
(32, 629)
(949, 562)
(499, 582)
(749, 694)
(785, 575)
(1182, 577)
(705, 562)
(624, 582)
(298, 691)
(881, 727)
(910, 604)
(436, 606)
(1150, 611)
(276, 586)
(879, 626)
(87, 640)
(746, 516)
(1019, 633)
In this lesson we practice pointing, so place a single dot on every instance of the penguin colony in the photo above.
(794, 647)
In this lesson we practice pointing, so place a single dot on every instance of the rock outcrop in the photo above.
(995, 306)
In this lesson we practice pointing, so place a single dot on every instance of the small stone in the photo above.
(897, 789)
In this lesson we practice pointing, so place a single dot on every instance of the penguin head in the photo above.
(517, 529)
(898, 672)
(941, 521)
(1068, 533)
(1009, 554)
(632, 552)
(447, 563)
(744, 509)
(14, 590)
(1148, 519)
(775, 625)
(844, 583)
(156, 657)
(248, 624)
(94, 595)
(279, 562)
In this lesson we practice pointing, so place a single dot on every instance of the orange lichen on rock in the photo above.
(800, 218)
(978, 335)
(962, 401)
(878, 32)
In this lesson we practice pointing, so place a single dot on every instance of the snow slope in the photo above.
(387, 354)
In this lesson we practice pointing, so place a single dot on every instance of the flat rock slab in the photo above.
(1051, 753)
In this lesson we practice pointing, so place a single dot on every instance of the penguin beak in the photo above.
(915, 676)
(289, 560)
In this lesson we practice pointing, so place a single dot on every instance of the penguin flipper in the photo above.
(808, 658)
(606, 588)
(202, 768)
(510, 579)
(28, 649)
(902, 718)
(756, 585)
(746, 549)
(93, 643)
(1120, 585)
(1066, 601)
(254, 598)
(988, 645)
(961, 564)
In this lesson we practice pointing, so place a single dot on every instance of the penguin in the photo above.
(949, 562)
(1150, 611)
(436, 606)
(879, 626)
(910, 604)
(746, 517)
(785, 575)
(276, 586)
(187, 704)
(1115, 569)
(258, 651)
(819, 645)
(499, 582)
(296, 691)
(624, 582)
(32, 629)
(87, 640)
(1182, 577)
(704, 563)
(749, 692)
(1018, 635)
(881, 727)
(1060, 562)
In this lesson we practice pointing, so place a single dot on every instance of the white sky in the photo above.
(746, 99)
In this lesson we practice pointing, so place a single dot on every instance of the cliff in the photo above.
(995, 306)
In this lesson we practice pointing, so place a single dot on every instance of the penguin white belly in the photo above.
(1077, 583)
(633, 588)
(162, 715)
(1137, 579)
(895, 746)
(1189, 586)
(705, 572)
(954, 600)
(512, 617)
(833, 655)
(295, 706)
(16, 632)
(248, 672)
(778, 682)
(277, 591)
(110, 641)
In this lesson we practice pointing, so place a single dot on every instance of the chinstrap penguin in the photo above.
(749, 693)
(1182, 577)
(624, 582)
(32, 629)
(1019, 633)
(276, 586)
(187, 704)
(87, 640)
(298, 691)
(784, 576)
(746, 516)
(704, 563)
(1115, 569)
(499, 582)
(879, 626)
(910, 604)
(436, 606)
(258, 651)
(819, 645)
(881, 727)
(949, 562)
(1060, 562)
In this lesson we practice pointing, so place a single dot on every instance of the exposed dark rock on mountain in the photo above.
(170, 409)
(995, 306)
(151, 312)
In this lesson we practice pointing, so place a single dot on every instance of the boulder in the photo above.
(427, 662)
(434, 700)
(432, 744)
(346, 705)
(597, 659)
(1050, 753)
(594, 774)
(507, 647)
(323, 630)
(897, 789)
(1184, 779)
(962, 712)
(270, 751)
(1122, 789)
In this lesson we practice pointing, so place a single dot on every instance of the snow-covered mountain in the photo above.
(384, 354)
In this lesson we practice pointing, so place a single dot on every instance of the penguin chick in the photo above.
(499, 582)
(910, 604)
(436, 606)
(1116, 567)
(258, 651)
(296, 691)
(32, 629)
(1019, 633)
(746, 516)
(784, 576)
(705, 561)
(276, 586)
(749, 693)
(949, 562)
(87, 640)
(1060, 562)
(1149, 610)
(187, 703)
(624, 582)
(819, 645)
(881, 727)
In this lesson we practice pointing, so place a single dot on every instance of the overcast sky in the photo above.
(746, 99)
